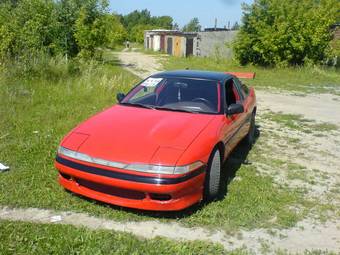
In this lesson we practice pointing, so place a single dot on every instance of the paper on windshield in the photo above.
(152, 82)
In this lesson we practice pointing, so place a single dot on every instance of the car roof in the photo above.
(194, 74)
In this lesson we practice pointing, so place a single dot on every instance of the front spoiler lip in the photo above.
(127, 176)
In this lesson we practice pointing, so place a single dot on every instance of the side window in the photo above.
(230, 96)
(238, 87)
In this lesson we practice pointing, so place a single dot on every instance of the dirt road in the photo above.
(139, 64)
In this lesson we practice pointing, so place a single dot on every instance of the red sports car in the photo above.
(162, 146)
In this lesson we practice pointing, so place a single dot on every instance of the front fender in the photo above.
(202, 146)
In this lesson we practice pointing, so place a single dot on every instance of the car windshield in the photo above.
(175, 94)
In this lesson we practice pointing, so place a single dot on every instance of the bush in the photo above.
(32, 29)
(290, 32)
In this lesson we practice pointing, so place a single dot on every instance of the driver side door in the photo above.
(233, 128)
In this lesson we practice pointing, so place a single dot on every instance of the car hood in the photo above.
(137, 135)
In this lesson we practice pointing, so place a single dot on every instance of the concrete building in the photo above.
(212, 43)
(182, 44)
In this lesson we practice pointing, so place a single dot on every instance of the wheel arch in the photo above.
(254, 110)
(220, 146)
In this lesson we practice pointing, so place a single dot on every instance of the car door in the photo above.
(245, 116)
(233, 127)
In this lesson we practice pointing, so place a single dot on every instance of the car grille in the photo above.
(113, 191)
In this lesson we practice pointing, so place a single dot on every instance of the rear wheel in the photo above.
(213, 175)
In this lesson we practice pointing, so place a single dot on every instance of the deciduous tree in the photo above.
(286, 32)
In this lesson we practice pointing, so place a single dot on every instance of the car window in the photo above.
(146, 88)
(239, 89)
(187, 94)
(232, 94)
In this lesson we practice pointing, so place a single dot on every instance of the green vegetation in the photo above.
(39, 29)
(28, 238)
(252, 201)
(335, 48)
(192, 26)
(297, 122)
(289, 32)
(137, 21)
(298, 79)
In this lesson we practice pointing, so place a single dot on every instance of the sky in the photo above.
(184, 10)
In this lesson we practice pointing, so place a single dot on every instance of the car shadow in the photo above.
(236, 159)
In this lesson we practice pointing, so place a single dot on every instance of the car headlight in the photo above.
(145, 168)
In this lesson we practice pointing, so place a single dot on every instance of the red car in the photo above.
(162, 146)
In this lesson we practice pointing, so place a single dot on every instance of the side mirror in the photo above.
(120, 97)
(234, 109)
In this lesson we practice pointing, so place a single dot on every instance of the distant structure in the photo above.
(172, 42)
(210, 42)
(214, 42)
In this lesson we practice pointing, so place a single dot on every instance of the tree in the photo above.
(192, 26)
(164, 22)
(138, 21)
(92, 29)
(32, 29)
(28, 29)
(137, 32)
(136, 18)
(116, 33)
(276, 32)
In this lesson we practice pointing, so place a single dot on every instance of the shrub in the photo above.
(289, 32)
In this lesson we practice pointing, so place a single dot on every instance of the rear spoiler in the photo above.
(242, 75)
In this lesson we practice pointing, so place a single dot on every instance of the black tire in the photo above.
(213, 177)
(250, 137)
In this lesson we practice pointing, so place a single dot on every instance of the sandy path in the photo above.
(139, 64)
(297, 240)
(321, 107)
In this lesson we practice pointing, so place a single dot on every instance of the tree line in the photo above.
(273, 32)
(71, 28)
(29, 28)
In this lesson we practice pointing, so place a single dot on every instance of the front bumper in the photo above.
(131, 189)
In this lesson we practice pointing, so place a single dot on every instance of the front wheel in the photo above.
(213, 175)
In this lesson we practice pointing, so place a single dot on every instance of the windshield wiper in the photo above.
(138, 105)
(174, 109)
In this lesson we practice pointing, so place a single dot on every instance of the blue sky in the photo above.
(183, 11)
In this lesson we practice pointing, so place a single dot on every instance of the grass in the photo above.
(298, 79)
(252, 202)
(298, 122)
(28, 238)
